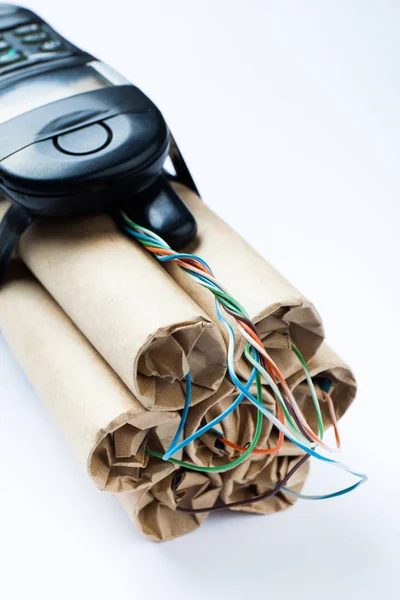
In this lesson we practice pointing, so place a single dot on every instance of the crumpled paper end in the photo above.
(294, 322)
(254, 480)
(167, 358)
(153, 508)
(238, 427)
(119, 462)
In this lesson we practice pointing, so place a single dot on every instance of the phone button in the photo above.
(50, 46)
(86, 140)
(10, 58)
(4, 45)
(34, 38)
(24, 29)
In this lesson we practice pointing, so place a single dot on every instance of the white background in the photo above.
(287, 113)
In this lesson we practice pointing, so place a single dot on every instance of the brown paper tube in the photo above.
(154, 509)
(105, 425)
(238, 427)
(149, 331)
(325, 364)
(274, 305)
(249, 480)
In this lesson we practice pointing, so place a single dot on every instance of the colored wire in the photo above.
(299, 432)
(312, 390)
(272, 450)
(305, 448)
(212, 423)
(278, 446)
(231, 465)
(257, 345)
(279, 487)
(276, 422)
(203, 267)
(362, 477)
(331, 409)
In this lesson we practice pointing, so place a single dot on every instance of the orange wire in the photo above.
(197, 266)
(281, 435)
(260, 450)
(158, 250)
(281, 378)
(182, 263)
(333, 417)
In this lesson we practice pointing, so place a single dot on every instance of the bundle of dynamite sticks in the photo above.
(107, 336)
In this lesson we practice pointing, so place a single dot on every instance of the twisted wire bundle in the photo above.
(289, 421)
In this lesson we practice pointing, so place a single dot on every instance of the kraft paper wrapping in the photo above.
(102, 421)
(328, 365)
(153, 508)
(110, 429)
(238, 427)
(146, 328)
(274, 305)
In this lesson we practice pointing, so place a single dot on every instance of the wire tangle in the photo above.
(289, 420)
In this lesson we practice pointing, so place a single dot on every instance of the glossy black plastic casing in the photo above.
(37, 175)
(89, 152)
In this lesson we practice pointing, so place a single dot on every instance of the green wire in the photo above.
(155, 245)
(231, 302)
(263, 372)
(224, 298)
(227, 301)
(312, 391)
(147, 232)
(236, 462)
(288, 417)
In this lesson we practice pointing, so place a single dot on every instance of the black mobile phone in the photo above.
(78, 138)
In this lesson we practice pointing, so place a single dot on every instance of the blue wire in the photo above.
(171, 451)
(139, 236)
(202, 278)
(184, 413)
(326, 496)
(145, 238)
(179, 255)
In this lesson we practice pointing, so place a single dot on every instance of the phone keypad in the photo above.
(31, 42)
